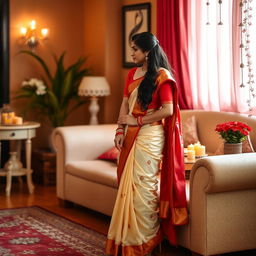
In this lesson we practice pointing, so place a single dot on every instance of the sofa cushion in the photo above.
(189, 130)
(99, 171)
(110, 155)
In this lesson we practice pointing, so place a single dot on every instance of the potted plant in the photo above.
(52, 96)
(233, 133)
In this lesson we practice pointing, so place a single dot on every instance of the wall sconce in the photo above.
(31, 36)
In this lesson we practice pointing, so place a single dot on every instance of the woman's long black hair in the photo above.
(156, 59)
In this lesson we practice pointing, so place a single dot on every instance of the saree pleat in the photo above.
(135, 226)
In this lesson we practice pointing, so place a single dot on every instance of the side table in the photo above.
(26, 131)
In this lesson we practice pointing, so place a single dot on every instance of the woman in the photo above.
(150, 96)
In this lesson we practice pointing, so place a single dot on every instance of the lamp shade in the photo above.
(94, 86)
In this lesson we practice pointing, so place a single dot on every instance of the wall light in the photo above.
(31, 36)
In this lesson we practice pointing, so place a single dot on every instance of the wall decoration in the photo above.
(136, 19)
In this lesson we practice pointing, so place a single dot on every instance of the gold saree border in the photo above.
(113, 249)
(179, 215)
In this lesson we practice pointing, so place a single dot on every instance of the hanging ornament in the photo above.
(242, 85)
(207, 11)
(245, 45)
(220, 6)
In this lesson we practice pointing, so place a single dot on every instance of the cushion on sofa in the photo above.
(189, 131)
(99, 171)
(110, 155)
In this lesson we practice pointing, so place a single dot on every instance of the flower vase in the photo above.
(13, 164)
(232, 148)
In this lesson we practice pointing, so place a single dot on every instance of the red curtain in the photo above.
(172, 32)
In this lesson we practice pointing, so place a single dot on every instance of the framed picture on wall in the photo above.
(136, 19)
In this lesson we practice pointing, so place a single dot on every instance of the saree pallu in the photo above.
(135, 226)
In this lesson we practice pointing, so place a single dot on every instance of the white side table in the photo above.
(26, 131)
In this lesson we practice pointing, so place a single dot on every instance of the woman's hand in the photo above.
(119, 140)
(127, 119)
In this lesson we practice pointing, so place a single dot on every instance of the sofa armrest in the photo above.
(84, 142)
(80, 143)
(226, 172)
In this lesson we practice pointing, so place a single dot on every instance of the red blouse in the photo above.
(162, 95)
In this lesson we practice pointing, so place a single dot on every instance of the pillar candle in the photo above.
(196, 147)
(191, 155)
(17, 120)
(200, 151)
(191, 147)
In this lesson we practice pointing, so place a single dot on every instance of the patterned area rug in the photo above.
(34, 231)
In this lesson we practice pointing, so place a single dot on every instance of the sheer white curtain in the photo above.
(214, 57)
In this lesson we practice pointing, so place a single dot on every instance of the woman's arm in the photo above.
(165, 111)
(119, 138)
(124, 110)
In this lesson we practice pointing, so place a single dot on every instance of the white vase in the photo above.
(13, 164)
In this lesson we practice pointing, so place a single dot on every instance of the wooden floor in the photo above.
(46, 197)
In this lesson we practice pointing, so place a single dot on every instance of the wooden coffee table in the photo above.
(189, 165)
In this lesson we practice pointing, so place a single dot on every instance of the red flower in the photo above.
(233, 132)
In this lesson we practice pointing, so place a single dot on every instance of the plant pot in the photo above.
(232, 148)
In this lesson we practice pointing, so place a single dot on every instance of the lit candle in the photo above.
(191, 147)
(191, 155)
(11, 115)
(200, 151)
(196, 147)
(17, 120)
(4, 117)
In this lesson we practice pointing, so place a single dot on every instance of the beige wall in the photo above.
(83, 28)
(66, 24)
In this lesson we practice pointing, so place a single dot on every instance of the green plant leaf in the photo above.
(66, 88)
(59, 76)
(41, 61)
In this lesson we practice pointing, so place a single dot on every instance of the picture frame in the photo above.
(135, 19)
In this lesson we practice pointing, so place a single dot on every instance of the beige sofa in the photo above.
(222, 189)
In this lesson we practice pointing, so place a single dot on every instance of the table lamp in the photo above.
(94, 87)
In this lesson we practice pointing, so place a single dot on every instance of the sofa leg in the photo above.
(65, 203)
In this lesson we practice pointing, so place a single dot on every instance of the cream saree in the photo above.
(135, 226)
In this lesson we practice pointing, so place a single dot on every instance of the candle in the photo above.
(11, 114)
(7, 118)
(196, 148)
(191, 155)
(3, 118)
(191, 147)
(17, 120)
(201, 150)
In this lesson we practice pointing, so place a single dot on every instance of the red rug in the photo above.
(35, 231)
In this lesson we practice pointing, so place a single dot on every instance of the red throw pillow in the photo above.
(111, 155)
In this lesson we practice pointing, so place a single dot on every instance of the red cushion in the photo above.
(111, 154)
